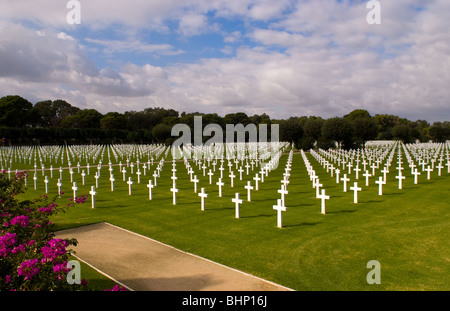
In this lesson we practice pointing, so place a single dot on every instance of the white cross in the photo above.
(317, 185)
(203, 195)
(323, 197)
(96, 179)
(256, 179)
(232, 176)
(385, 170)
(150, 186)
(174, 194)
(59, 184)
(204, 168)
(138, 173)
(155, 175)
(71, 175)
(400, 178)
(35, 181)
(237, 201)
(337, 171)
(355, 189)
(357, 170)
(130, 183)
(345, 180)
(240, 170)
(210, 174)
(429, 170)
(367, 175)
(439, 167)
(220, 184)
(416, 173)
(195, 181)
(124, 171)
(285, 182)
(145, 169)
(174, 178)
(74, 188)
(279, 208)
(83, 174)
(93, 193)
(283, 192)
(46, 181)
(249, 188)
(221, 169)
(111, 179)
(373, 167)
(380, 183)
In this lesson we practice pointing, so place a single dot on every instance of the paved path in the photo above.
(143, 264)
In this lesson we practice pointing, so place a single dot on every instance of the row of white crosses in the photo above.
(281, 204)
(315, 183)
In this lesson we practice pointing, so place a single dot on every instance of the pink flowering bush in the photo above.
(30, 257)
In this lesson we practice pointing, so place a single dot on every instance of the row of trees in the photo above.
(56, 122)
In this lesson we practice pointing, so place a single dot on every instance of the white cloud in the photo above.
(118, 46)
(320, 58)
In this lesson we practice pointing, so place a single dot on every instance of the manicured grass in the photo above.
(407, 230)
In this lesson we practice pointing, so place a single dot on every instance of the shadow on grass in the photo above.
(343, 211)
(302, 224)
(260, 215)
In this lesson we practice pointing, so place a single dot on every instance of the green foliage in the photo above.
(291, 130)
(30, 258)
(339, 130)
(58, 122)
(15, 111)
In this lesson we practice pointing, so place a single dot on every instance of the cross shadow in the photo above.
(343, 211)
(260, 215)
(302, 224)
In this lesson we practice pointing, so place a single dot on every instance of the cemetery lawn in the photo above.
(407, 231)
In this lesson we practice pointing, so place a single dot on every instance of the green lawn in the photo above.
(407, 230)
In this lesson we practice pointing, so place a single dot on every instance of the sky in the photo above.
(280, 57)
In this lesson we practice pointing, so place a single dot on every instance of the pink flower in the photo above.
(22, 220)
(55, 249)
(116, 288)
(28, 269)
(61, 267)
(9, 239)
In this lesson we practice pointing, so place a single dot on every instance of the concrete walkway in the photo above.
(143, 264)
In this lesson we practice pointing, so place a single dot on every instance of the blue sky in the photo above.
(284, 58)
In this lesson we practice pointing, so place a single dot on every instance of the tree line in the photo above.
(58, 122)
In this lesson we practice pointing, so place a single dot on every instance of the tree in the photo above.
(61, 110)
(364, 129)
(113, 120)
(313, 127)
(161, 132)
(339, 130)
(236, 118)
(45, 112)
(357, 114)
(402, 132)
(439, 132)
(291, 130)
(15, 111)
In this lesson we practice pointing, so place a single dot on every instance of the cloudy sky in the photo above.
(280, 57)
